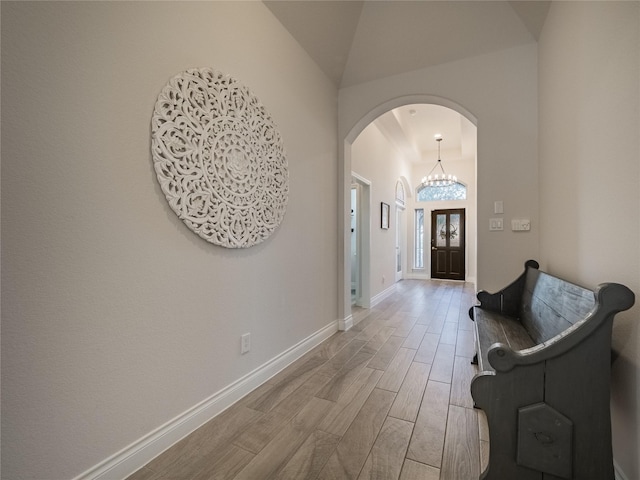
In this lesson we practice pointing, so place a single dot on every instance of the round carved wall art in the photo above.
(219, 158)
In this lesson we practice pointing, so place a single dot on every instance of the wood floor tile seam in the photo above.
(376, 403)
(283, 445)
(375, 439)
(319, 466)
(441, 383)
(335, 364)
(449, 433)
(437, 381)
(419, 471)
(430, 423)
(372, 386)
(475, 412)
(375, 444)
(444, 443)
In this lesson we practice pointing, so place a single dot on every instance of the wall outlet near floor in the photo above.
(245, 343)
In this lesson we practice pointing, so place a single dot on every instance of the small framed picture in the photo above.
(384, 216)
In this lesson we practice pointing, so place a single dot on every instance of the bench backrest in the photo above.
(551, 305)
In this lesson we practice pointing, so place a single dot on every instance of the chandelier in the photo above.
(438, 179)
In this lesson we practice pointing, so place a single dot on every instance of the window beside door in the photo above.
(418, 254)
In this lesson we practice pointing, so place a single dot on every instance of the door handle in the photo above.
(434, 248)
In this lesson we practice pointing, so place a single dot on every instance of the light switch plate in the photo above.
(495, 224)
(498, 207)
(520, 224)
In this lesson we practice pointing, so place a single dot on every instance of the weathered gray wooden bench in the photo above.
(543, 347)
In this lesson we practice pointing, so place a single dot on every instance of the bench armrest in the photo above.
(507, 300)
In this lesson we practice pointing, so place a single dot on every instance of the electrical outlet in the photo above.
(245, 343)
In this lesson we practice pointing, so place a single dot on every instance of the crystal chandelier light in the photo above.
(438, 179)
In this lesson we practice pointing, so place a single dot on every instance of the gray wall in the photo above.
(115, 317)
(590, 173)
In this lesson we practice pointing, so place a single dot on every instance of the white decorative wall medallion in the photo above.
(219, 158)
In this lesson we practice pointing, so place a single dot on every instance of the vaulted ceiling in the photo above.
(356, 41)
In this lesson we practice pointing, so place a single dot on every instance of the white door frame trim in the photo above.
(365, 240)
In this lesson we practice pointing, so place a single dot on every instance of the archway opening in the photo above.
(401, 133)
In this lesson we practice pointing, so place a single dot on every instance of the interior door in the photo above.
(448, 244)
(355, 243)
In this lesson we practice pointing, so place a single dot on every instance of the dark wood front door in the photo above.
(448, 244)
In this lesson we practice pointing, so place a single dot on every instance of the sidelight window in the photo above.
(418, 254)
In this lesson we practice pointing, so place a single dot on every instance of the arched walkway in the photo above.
(344, 187)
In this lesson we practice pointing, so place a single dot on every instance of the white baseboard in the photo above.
(417, 276)
(426, 276)
(382, 295)
(139, 453)
(346, 324)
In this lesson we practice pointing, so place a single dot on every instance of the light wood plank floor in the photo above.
(387, 400)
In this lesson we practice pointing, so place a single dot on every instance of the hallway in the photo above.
(388, 399)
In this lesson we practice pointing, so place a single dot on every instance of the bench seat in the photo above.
(493, 328)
